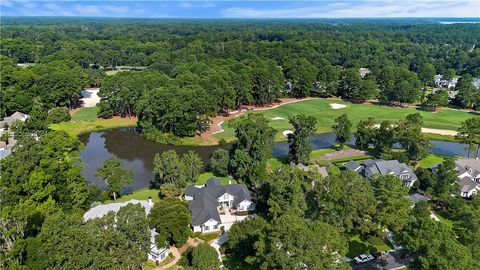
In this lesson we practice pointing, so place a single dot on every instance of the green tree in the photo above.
(192, 165)
(205, 257)
(469, 134)
(436, 244)
(169, 169)
(254, 145)
(385, 137)
(435, 100)
(287, 194)
(346, 201)
(393, 207)
(313, 245)
(426, 73)
(410, 136)
(446, 182)
(243, 235)
(299, 144)
(58, 115)
(171, 219)
(342, 128)
(219, 162)
(115, 175)
(365, 134)
(301, 74)
(468, 96)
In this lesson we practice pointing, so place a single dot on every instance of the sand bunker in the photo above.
(90, 97)
(337, 106)
(277, 118)
(286, 132)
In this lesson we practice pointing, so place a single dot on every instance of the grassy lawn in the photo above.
(76, 128)
(141, 194)
(325, 115)
(430, 160)
(202, 179)
(89, 113)
(357, 246)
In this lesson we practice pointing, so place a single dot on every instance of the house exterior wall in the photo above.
(209, 226)
(158, 256)
(226, 199)
(470, 193)
(246, 205)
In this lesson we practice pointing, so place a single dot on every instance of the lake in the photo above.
(138, 154)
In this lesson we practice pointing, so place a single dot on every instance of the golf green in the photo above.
(321, 109)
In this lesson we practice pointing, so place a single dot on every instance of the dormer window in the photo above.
(225, 196)
(404, 176)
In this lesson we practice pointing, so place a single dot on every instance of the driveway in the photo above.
(391, 262)
(228, 220)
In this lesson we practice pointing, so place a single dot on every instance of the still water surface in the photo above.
(138, 154)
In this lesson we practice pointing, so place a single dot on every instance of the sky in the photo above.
(243, 9)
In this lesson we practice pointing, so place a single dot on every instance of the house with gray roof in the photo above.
(155, 253)
(8, 121)
(468, 172)
(206, 201)
(369, 168)
(315, 168)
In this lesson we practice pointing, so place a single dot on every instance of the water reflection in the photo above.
(138, 154)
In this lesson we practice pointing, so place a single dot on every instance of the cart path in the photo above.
(217, 121)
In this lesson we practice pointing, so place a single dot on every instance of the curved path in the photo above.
(217, 121)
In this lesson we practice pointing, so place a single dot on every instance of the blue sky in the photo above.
(243, 9)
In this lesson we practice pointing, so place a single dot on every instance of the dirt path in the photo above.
(217, 121)
(176, 257)
(342, 154)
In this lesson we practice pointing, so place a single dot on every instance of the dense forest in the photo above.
(192, 70)
(182, 73)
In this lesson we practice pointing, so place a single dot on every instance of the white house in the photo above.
(155, 253)
(205, 202)
(469, 176)
(442, 83)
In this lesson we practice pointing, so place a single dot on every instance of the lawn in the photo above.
(325, 115)
(76, 128)
(89, 113)
(141, 194)
(357, 246)
(202, 179)
(430, 160)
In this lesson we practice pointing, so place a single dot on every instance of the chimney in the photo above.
(150, 201)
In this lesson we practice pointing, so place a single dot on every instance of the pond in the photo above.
(138, 154)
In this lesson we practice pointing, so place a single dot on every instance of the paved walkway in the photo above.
(342, 154)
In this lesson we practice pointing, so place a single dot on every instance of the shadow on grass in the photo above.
(355, 248)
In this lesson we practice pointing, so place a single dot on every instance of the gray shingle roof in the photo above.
(205, 202)
(352, 165)
(417, 197)
(466, 184)
(102, 209)
(389, 167)
(321, 170)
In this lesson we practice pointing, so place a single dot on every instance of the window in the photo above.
(206, 228)
(240, 207)
(225, 196)
(215, 226)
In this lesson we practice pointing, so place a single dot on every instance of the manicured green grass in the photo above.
(89, 113)
(141, 194)
(439, 137)
(202, 179)
(430, 160)
(76, 128)
(325, 115)
(357, 246)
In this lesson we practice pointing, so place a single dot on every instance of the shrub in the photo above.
(58, 115)
(195, 234)
(375, 241)
(208, 236)
(241, 213)
(222, 141)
